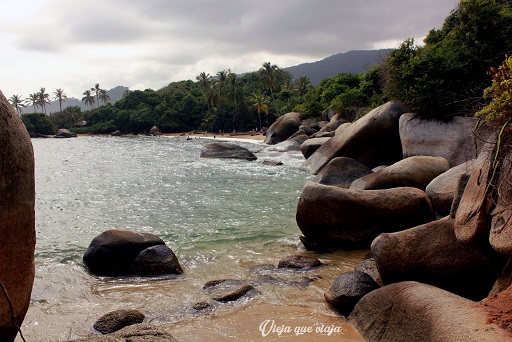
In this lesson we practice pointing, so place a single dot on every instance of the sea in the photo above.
(223, 218)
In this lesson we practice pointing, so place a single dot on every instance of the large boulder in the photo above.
(17, 219)
(431, 254)
(341, 171)
(500, 236)
(441, 190)
(473, 218)
(415, 172)
(309, 146)
(226, 150)
(335, 122)
(351, 219)
(155, 131)
(65, 133)
(116, 320)
(348, 288)
(283, 128)
(292, 144)
(123, 252)
(453, 140)
(411, 311)
(372, 140)
(311, 123)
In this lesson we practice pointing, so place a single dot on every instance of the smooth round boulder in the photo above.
(112, 252)
(155, 131)
(348, 288)
(336, 121)
(116, 320)
(292, 144)
(283, 128)
(372, 140)
(311, 123)
(226, 150)
(341, 172)
(156, 260)
(350, 219)
(431, 254)
(412, 311)
(414, 172)
(302, 262)
(17, 219)
(309, 146)
(65, 133)
(441, 190)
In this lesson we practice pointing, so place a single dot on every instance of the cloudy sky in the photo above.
(149, 43)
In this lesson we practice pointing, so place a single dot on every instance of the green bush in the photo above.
(38, 123)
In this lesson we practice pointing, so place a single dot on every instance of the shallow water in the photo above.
(221, 218)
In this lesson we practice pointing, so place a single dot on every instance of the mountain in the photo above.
(115, 95)
(355, 62)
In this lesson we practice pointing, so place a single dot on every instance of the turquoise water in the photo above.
(220, 217)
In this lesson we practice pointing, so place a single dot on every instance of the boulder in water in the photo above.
(226, 150)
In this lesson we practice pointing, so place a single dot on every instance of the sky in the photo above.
(143, 44)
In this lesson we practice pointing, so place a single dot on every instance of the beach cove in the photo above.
(223, 219)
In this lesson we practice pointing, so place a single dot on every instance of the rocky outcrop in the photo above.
(431, 254)
(453, 140)
(311, 123)
(441, 190)
(65, 133)
(333, 124)
(292, 144)
(155, 131)
(116, 320)
(351, 219)
(372, 140)
(309, 146)
(348, 288)
(283, 128)
(17, 219)
(123, 252)
(341, 172)
(411, 311)
(226, 150)
(414, 172)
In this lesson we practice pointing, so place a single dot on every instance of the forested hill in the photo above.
(355, 62)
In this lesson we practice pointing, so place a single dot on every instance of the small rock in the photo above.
(348, 288)
(235, 295)
(156, 260)
(201, 306)
(116, 320)
(271, 162)
(299, 262)
(221, 283)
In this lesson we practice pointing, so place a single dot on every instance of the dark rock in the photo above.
(372, 140)
(222, 284)
(135, 333)
(324, 134)
(309, 146)
(235, 295)
(226, 150)
(441, 190)
(299, 262)
(453, 140)
(411, 311)
(306, 129)
(461, 186)
(17, 219)
(369, 266)
(348, 289)
(431, 254)
(116, 133)
(65, 133)
(116, 320)
(283, 128)
(156, 260)
(292, 144)
(351, 219)
(341, 172)
(271, 162)
(112, 252)
(311, 123)
(333, 124)
(416, 172)
(201, 306)
(155, 131)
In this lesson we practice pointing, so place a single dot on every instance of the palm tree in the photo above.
(32, 99)
(103, 96)
(43, 98)
(17, 103)
(234, 93)
(259, 104)
(303, 85)
(269, 77)
(61, 96)
(88, 98)
(96, 90)
(204, 80)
